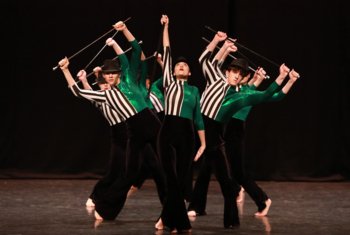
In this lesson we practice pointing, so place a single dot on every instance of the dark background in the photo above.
(46, 132)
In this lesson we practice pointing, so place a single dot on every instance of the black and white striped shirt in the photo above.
(110, 114)
(114, 98)
(174, 89)
(216, 87)
(156, 102)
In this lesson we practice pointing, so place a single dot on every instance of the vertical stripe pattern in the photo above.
(216, 87)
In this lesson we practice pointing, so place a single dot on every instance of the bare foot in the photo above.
(266, 210)
(97, 223)
(240, 207)
(97, 216)
(90, 203)
(159, 225)
(191, 213)
(265, 221)
(132, 190)
(90, 210)
(240, 197)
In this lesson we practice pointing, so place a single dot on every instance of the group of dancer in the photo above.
(153, 129)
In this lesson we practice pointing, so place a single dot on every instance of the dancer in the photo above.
(176, 138)
(219, 102)
(142, 124)
(106, 78)
(155, 100)
(234, 131)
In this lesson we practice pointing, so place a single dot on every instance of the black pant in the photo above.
(234, 137)
(215, 159)
(119, 141)
(143, 129)
(176, 148)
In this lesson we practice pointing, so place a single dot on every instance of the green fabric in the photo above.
(157, 89)
(191, 106)
(234, 101)
(243, 113)
(128, 82)
(142, 84)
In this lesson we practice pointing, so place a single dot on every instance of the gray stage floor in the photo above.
(58, 207)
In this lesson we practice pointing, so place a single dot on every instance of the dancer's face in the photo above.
(112, 78)
(182, 70)
(234, 76)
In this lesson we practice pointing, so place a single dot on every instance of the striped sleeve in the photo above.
(157, 104)
(95, 96)
(208, 68)
(167, 72)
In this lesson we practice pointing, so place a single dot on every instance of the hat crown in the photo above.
(240, 63)
(110, 66)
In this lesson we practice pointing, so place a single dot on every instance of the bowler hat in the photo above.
(110, 66)
(240, 63)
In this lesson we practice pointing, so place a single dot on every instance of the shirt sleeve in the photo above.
(94, 96)
(167, 72)
(135, 59)
(208, 69)
(197, 116)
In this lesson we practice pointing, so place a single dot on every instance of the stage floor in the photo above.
(48, 207)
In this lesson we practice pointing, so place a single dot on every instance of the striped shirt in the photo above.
(220, 100)
(216, 87)
(156, 102)
(113, 98)
(174, 93)
(181, 99)
(110, 114)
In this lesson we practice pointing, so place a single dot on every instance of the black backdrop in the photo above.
(48, 133)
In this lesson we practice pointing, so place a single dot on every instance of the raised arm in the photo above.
(167, 63)
(165, 22)
(224, 51)
(208, 68)
(124, 62)
(136, 48)
(64, 63)
(293, 77)
(87, 94)
(82, 77)
(259, 76)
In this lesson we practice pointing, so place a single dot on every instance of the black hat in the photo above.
(110, 66)
(240, 63)
(181, 59)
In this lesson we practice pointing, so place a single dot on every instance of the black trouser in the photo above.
(215, 159)
(142, 130)
(119, 140)
(234, 137)
(176, 148)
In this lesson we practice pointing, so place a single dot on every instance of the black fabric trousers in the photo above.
(119, 141)
(215, 160)
(143, 129)
(234, 137)
(176, 148)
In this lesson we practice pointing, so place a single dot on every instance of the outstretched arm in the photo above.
(121, 26)
(293, 77)
(165, 22)
(82, 77)
(64, 63)
(167, 63)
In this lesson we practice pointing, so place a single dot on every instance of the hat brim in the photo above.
(111, 71)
